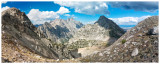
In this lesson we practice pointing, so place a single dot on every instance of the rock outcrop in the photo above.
(99, 35)
(139, 44)
(18, 30)
(102, 31)
(115, 30)
(59, 30)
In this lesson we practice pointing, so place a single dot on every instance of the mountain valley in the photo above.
(71, 41)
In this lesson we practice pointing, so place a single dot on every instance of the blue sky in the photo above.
(122, 13)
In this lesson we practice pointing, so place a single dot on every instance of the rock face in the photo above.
(18, 29)
(139, 44)
(115, 30)
(134, 52)
(59, 30)
(102, 31)
(95, 36)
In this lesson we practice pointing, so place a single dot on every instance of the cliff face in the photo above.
(115, 30)
(139, 44)
(59, 30)
(102, 33)
(104, 30)
(17, 30)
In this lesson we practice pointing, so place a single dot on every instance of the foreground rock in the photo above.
(17, 30)
(139, 44)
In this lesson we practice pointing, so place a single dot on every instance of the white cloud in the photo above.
(3, 2)
(40, 17)
(90, 8)
(128, 20)
(63, 10)
(91, 22)
(67, 15)
(4, 8)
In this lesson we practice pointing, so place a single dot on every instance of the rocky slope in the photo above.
(139, 44)
(59, 30)
(101, 34)
(17, 30)
(103, 31)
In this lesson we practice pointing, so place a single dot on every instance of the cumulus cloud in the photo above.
(67, 15)
(3, 2)
(40, 17)
(91, 22)
(137, 6)
(63, 10)
(4, 8)
(128, 20)
(90, 8)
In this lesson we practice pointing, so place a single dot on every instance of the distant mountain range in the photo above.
(37, 25)
(125, 27)
(59, 30)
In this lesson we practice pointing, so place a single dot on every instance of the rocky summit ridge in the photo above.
(18, 31)
(139, 44)
(104, 32)
(59, 30)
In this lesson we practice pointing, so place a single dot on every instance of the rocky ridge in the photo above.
(59, 30)
(17, 30)
(99, 35)
(103, 31)
(139, 44)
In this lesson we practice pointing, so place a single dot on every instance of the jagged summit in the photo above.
(102, 16)
(14, 12)
(60, 30)
(71, 19)
(105, 22)
(102, 19)
(17, 15)
(115, 30)
(13, 9)
(104, 30)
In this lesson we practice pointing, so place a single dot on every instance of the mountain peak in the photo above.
(109, 24)
(103, 20)
(13, 10)
(70, 19)
(18, 16)
(102, 16)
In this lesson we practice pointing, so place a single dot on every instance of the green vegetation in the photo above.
(81, 44)
(123, 41)
(107, 45)
(58, 44)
